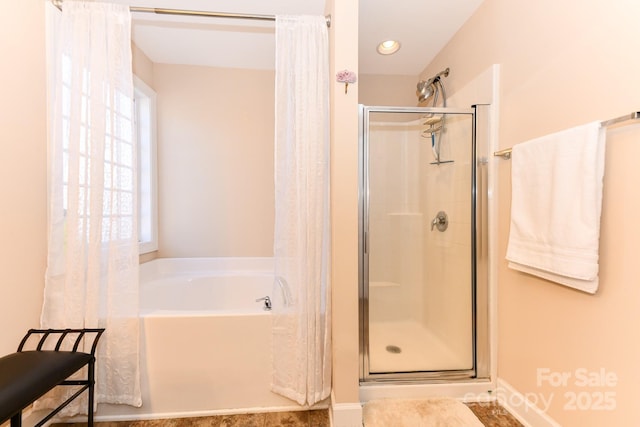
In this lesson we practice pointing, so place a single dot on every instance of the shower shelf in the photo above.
(373, 284)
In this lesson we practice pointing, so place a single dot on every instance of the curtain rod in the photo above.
(506, 153)
(181, 12)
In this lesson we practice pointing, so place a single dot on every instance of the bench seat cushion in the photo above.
(25, 376)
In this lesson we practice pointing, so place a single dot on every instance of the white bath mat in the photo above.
(433, 412)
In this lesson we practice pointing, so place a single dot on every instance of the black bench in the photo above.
(27, 375)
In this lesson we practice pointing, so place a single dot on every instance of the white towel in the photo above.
(556, 185)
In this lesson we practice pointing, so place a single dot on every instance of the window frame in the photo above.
(145, 99)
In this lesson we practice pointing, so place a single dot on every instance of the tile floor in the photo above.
(315, 418)
(493, 415)
(490, 414)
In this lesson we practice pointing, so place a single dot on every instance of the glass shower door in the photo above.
(417, 243)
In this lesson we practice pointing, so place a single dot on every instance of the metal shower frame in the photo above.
(479, 241)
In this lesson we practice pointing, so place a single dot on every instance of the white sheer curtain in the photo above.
(301, 310)
(92, 271)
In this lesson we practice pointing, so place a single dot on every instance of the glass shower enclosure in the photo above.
(422, 302)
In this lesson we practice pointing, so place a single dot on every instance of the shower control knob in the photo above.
(441, 221)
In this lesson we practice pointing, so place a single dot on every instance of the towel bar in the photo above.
(506, 153)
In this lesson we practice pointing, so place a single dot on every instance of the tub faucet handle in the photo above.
(441, 221)
(267, 302)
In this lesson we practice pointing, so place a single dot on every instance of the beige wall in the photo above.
(215, 161)
(23, 157)
(141, 64)
(343, 39)
(394, 90)
(564, 64)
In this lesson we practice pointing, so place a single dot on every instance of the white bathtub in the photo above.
(205, 286)
(206, 342)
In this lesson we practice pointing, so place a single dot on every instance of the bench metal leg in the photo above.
(92, 382)
(16, 420)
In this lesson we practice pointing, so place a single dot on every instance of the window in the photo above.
(145, 121)
(120, 187)
(69, 92)
(117, 174)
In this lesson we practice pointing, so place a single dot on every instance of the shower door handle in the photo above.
(441, 221)
(365, 243)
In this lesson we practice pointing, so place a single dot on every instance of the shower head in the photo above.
(427, 88)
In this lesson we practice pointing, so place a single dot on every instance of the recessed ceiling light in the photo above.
(388, 47)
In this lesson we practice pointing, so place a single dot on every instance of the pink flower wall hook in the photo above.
(346, 77)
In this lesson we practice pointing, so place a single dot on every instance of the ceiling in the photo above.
(423, 27)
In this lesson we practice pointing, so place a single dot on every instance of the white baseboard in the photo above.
(193, 414)
(525, 411)
(345, 414)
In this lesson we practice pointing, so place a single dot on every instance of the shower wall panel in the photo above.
(396, 268)
(447, 256)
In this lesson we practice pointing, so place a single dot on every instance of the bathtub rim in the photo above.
(163, 269)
